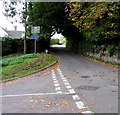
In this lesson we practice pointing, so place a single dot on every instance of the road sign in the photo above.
(35, 36)
(35, 29)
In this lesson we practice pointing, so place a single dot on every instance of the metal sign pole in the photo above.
(35, 35)
(35, 46)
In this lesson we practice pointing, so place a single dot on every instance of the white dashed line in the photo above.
(75, 97)
(56, 85)
(72, 91)
(80, 105)
(67, 83)
(57, 88)
(55, 81)
(65, 80)
(69, 87)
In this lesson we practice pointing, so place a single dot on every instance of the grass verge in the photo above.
(116, 65)
(17, 65)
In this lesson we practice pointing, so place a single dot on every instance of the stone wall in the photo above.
(105, 57)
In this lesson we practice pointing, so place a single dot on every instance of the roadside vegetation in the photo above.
(54, 41)
(89, 27)
(16, 65)
(101, 60)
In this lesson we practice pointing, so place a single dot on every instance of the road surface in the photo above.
(75, 85)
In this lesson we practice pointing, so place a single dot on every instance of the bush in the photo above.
(54, 41)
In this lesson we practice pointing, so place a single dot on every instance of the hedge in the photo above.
(11, 46)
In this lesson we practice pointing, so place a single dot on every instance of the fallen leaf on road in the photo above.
(113, 80)
(110, 108)
(65, 103)
(33, 107)
(81, 111)
(50, 103)
(41, 100)
(33, 97)
(33, 101)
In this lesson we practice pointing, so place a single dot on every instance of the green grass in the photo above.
(14, 66)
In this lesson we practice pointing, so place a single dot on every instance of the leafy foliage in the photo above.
(49, 16)
(98, 22)
(88, 26)
(11, 60)
(54, 41)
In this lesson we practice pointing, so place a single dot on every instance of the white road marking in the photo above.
(75, 97)
(72, 91)
(68, 87)
(62, 76)
(57, 88)
(56, 85)
(67, 84)
(80, 105)
(59, 92)
(87, 112)
(65, 80)
(63, 93)
(55, 81)
(53, 75)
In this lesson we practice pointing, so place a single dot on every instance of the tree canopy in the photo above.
(82, 23)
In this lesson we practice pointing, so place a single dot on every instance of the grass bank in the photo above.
(17, 65)
(113, 64)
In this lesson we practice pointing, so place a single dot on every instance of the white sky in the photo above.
(60, 36)
(6, 23)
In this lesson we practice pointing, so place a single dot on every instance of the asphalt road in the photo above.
(76, 85)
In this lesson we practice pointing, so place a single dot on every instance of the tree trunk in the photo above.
(25, 45)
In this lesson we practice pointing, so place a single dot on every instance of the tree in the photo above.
(52, 17)
(49, 16)
(11, 11)
(98, 21)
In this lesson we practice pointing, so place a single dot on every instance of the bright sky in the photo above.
(5, 23)
(60, 36)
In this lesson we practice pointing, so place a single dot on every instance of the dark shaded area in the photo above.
(12, 46)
